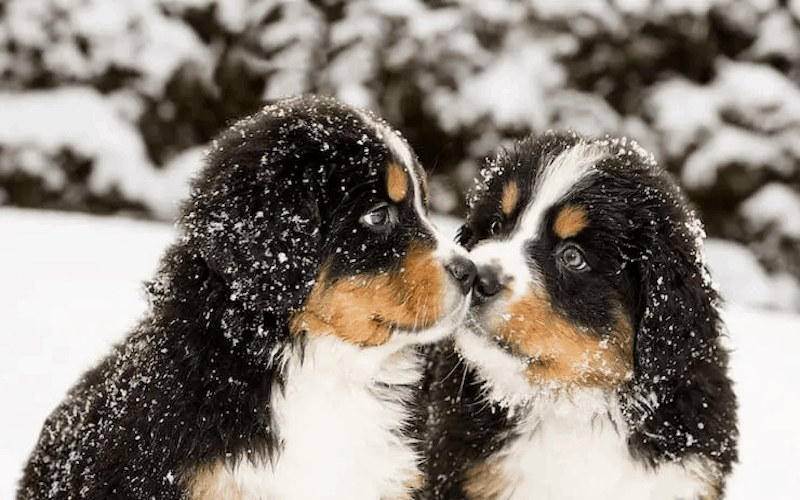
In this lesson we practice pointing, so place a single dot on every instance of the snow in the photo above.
(595, 9)
(760, 93)
(774, 204)
(88, 125)
(155, 45)
(732, 145)
(743, 281)
(684, 112)
(757, 99)
(512, 90)
(295, 62)
(71, 286)
(764, 370)
(776, 36)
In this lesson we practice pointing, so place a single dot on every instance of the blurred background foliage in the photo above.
(106, 105)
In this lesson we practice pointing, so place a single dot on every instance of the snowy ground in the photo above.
(70, 286)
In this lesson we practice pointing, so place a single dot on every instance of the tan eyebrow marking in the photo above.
(570, 221)
(510, 197)
(396, 182)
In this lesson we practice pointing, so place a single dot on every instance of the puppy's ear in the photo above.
(253, 217)
(685, 403)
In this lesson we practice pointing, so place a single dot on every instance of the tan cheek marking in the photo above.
(570, 221)
(712, 487)
(486, 482)
(363, 310)
(415, 483)
(396, 182)
(510, 198)
(712, 494)
(213, 482)
(561, 352)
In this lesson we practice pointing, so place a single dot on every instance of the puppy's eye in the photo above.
(496, 226)
(380, 218)
(572, 257)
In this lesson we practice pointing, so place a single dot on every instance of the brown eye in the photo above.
(573, 258)
(495, 228)
(380, 218)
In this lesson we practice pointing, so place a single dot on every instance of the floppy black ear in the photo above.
(253, 217)
(684, 400)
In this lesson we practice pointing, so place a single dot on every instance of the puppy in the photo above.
(277, 357)
(594, 360)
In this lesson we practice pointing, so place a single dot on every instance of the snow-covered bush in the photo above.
(100, 100)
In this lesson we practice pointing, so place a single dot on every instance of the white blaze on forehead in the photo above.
(397, 145)
(550, 186)
(555, 180)
(402, 151)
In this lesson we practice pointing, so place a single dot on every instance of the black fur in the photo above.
(278, 198)
(644, 253)
(463, 429)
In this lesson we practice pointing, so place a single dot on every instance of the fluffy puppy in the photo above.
(277, 358)
(595, 364)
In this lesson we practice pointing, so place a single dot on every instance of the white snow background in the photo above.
(71, 286)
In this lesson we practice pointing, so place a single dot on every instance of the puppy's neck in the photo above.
(340, 418)
(355, 366)
(575, 445)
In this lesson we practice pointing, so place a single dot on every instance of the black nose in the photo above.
(487, 284)
(464, 271)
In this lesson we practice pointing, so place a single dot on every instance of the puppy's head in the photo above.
(314, 215)
(590, 272)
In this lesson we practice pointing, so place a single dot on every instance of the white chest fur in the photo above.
(576, 448)
(338, 419)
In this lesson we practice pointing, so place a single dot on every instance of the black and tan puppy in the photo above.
(594, 367)
(277, 359)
